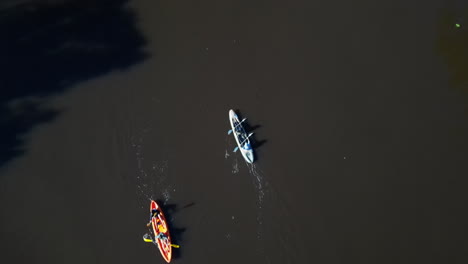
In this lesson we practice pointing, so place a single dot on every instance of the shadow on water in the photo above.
(49, 46)
(174, 208)
(452, 44)
(253, 139)
(252, 128)
(176, 232)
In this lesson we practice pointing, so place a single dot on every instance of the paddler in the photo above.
(159, 224)
(162, 229)
(154, 213)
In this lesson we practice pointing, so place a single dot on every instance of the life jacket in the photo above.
(161, 226)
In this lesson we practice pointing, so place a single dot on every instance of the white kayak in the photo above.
(242, 138)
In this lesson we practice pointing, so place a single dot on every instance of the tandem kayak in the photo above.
(242, 138)
(159, 225)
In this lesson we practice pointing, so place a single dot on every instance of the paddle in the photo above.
(147, 238)
(230, 130)
(237, 148)
(155, 213)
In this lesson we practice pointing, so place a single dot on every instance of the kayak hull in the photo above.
(164, 244)
(240, 134)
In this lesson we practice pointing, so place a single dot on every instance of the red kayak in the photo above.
(159, 225)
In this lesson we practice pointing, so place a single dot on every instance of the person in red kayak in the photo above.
(159, 224)
(161, 229)
(154, 213)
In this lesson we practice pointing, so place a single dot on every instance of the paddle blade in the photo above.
(175, 246)
(230, 131)
(235, 149)
(147, 238)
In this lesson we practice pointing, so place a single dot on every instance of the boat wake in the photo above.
(235, 163)
(260, 184)
(151, 179)
(235, 166)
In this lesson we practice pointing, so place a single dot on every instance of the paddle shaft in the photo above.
(152, 241)
(235, 127)
(246, 139)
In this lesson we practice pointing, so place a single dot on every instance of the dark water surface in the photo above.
(359, 110)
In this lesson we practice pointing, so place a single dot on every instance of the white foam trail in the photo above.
(258, 181)
(166, 195)
(261, 185)
(235, 166)
(152, 182)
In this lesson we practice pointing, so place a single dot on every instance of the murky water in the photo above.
(358, 109)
